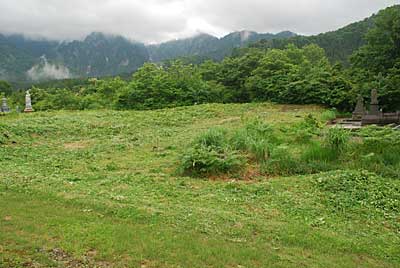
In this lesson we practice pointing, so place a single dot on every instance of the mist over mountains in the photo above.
(100, 54)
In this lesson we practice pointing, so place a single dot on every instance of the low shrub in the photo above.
(210, 154)
(328, 115)
(214, 137)
(256, 138)
(304, 131)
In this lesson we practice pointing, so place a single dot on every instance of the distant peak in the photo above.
(286, 34)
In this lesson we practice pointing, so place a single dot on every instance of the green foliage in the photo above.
(257, 138)
(5, 88)
(361, 191)
(210, 154)
(317, 152)
(328, 115)
(298, 76)
(377, 63)
(382, 50)
(339, 45)
(155, 87)
(337, 139)
(282, 163)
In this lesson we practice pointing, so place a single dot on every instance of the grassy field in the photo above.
(101, 189)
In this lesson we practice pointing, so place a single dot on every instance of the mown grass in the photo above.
(101, 189)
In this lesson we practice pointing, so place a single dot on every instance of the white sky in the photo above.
(160, 20)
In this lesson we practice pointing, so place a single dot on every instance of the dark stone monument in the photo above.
(359, 111)
(376, 117)
(4, 106)
(374, 108)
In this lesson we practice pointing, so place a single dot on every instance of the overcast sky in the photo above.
(160, 20)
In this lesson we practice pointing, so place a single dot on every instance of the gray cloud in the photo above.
(161, 20)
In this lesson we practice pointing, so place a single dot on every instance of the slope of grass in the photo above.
(100, 189)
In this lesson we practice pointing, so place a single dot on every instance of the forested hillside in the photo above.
(339, 45)
(205, 46)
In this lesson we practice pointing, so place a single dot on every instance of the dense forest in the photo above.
(329, 69)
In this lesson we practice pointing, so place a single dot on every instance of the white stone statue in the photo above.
(28, 103)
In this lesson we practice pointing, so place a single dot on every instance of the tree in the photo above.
(382, 50)
(5, 88)
(377, 64)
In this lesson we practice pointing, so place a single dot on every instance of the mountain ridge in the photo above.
(102, 54)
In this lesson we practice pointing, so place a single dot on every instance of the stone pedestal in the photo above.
(28, 103)
(4, 106)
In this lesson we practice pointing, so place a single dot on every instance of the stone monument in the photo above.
(359, 111)
(374, 108)
(374, 116)
(28, 103)
(4, 106)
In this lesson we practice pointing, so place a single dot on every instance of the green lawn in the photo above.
(100, 189)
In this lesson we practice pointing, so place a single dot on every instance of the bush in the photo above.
(215, 137)
(210, 155)
(260, 149)
(256, 138)
(303, 131)
(328, 115)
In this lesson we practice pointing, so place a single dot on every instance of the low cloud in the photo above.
(47, 71)
(160, 20)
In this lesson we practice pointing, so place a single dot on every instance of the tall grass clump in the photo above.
(337, 139)
(256, 138)
(328, 115)
(210, 154)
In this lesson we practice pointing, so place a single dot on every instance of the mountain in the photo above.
(209, 47)
(101, 55)
(24, 59)
(98, 54)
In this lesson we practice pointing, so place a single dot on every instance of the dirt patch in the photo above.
(76, 145)
(230, 120)
(86, 261)
(251, 174)
(297, 108)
